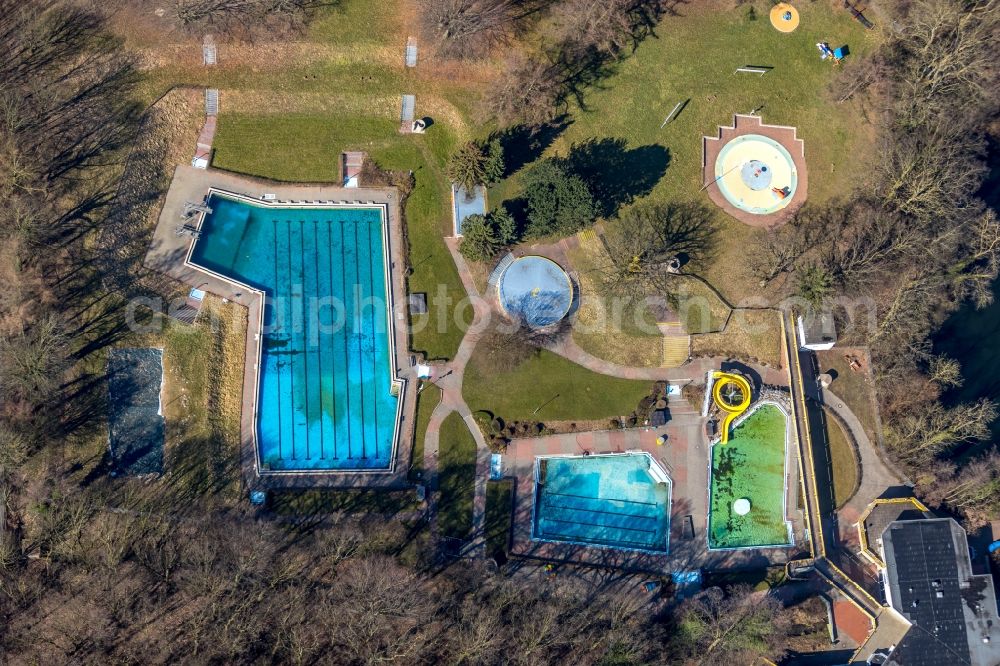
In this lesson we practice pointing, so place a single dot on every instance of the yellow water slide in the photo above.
(731, 394)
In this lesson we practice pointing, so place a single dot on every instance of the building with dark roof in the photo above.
(928, 581)
(878, 516)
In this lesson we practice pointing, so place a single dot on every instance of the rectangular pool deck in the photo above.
(168, 254)
(685, 458)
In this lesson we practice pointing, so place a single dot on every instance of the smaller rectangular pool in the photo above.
(750, 467)
(614, 500)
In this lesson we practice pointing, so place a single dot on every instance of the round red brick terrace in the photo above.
(746, 124)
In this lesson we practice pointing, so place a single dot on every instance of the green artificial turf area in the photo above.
(752, 466)
(564, 390)
(457, 470)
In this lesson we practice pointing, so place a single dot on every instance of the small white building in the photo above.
(817, 331)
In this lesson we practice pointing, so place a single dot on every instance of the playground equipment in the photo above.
(731, 394)
(834, 55)
(784, 17)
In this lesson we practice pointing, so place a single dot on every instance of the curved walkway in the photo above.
(450, 379)
(876, 476)
(692, 370)
(450, 382)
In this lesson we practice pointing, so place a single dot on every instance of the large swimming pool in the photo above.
(325, 379)
(614, 500)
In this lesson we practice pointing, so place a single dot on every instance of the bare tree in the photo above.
(531, 91)
(649, 243)
(920, 436)
(472, 28)
(244, 15)
(32, 362)
(735, 626)
(974, 490)
(606, 26)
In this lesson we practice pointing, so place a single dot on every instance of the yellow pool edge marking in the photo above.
(721, 379)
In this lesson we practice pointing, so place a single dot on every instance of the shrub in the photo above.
(477, 164)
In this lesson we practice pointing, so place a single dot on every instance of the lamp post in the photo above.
(545, 403)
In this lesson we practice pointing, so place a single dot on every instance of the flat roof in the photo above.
(929, 581)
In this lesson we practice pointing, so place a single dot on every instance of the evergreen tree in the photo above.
(479, 239)
(558, 201)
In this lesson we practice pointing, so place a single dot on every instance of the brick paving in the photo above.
(786, 136)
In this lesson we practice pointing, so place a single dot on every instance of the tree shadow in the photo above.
(523, 144)
(616, 174)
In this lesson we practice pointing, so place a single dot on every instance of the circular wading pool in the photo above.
(535, 289)
(756, 174)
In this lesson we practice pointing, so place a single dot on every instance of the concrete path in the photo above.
(450, 377)
(876, 476)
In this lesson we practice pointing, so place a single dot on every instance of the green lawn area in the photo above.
(750, 335)
(693, 58)
(304, 147)
(842, 460)
(751, 466)
(457, 473)
(582, 394)
(427, 400)
(499, 495)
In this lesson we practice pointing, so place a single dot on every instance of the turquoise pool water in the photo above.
(618, 501)
(324, 400)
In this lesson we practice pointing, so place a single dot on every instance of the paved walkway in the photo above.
(450, 382)
(450, 377)
(692, 371)
(876, 476)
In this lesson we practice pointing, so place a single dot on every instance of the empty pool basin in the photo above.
(535, 290)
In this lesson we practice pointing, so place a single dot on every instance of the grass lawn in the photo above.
(750, 335)
(842, 460)
(595, 331)
(427, 400)
(457, 469)
(578, 393)
(693, 58)
(499, 495)
(751, 466)
(699, 306)
(854, 388)
(304, 147)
